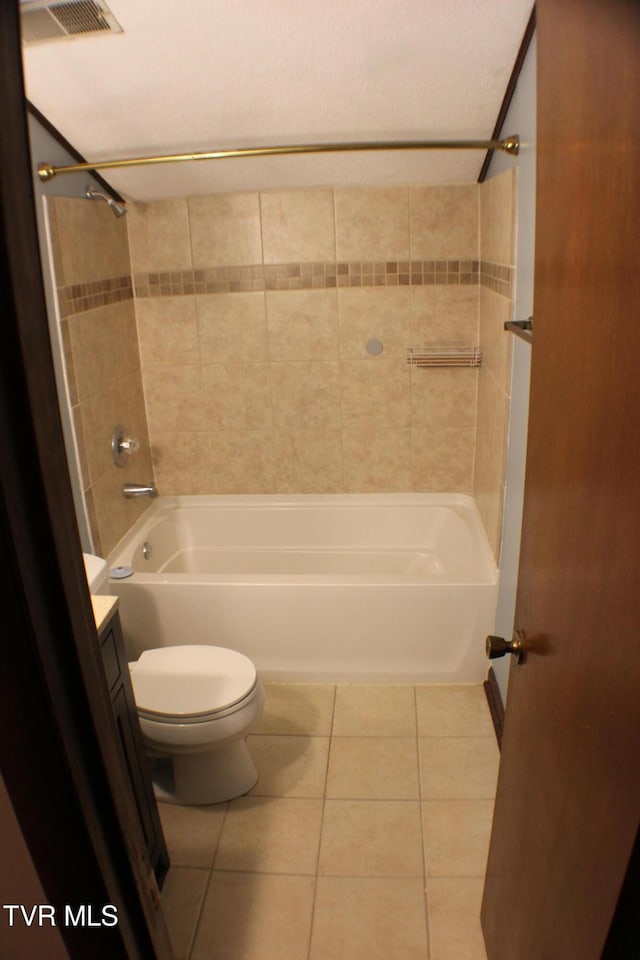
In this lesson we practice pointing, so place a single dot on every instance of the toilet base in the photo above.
(192, 779)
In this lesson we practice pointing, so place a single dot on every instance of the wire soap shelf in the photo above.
(444, 355)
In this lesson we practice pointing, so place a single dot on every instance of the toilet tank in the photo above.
(96, 571)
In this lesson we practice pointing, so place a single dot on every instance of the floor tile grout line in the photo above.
(338, 876)
(425, 894)
(341, 876)
(458, 800)
(196, 926)
(349, 876)
(222, 826)
(406, 800)
(331, 876)
(458, 736)
(456, 876)
(324, 804)
(333, 710)
(378, 736)
(300, 736)
(374, 876)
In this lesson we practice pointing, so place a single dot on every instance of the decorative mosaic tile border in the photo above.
(307, 276)
(497, 277)
(80, 297)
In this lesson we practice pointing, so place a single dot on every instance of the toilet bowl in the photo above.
(195, 706)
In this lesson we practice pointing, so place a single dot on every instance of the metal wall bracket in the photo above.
(521, 328)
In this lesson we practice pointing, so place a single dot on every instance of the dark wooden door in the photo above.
(569, 788)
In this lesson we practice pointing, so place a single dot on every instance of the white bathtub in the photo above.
(378, 587)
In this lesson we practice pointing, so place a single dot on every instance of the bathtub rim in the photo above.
(165, 505)
(243, 605)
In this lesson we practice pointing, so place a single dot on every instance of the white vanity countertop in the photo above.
(103, 609)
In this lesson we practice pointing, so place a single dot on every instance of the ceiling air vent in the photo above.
(43, 20)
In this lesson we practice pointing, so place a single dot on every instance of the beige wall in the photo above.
(244, 348)
(253, 314)
(98, 327)
(497, 252)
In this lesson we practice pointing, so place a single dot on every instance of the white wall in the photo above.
(209, 74)
(521, 119)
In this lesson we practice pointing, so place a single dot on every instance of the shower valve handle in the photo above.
(130, 445)
(122, 446)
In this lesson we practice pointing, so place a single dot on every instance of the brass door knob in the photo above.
(499, 647)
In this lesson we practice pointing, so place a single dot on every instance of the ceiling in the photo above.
(214, 74)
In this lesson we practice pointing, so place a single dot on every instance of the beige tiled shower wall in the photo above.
(253, 313)
(98, 327)
(497, 234)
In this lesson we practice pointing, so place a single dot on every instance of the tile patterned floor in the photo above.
(366, 835)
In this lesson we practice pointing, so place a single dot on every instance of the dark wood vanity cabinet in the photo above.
(128, 727)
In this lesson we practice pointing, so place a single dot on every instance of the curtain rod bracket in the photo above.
(46, 171)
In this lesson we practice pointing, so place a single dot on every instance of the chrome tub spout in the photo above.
(140, 490)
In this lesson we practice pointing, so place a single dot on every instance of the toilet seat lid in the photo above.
(190, 681)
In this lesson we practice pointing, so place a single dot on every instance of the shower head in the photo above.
(118, 208)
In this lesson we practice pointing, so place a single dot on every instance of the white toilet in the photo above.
(195, 705)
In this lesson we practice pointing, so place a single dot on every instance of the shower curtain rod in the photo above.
(46, 171)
